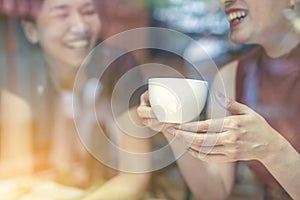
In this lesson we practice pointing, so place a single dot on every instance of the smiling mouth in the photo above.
(80, 44)
(236, 16)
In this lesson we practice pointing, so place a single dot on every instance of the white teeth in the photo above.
(78, 44)
(236, 15)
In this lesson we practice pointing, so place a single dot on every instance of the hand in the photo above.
(148, 117)
(245, 135)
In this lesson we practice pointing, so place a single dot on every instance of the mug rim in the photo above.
(176, 78)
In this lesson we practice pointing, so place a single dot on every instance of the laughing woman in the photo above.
(67, 31)
(262, 125)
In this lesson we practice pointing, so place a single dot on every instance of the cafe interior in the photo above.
(24, 172)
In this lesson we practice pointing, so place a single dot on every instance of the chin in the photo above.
(238, 39)
(76, 63)
(74, 66)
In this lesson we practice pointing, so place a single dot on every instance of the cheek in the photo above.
(269, 13)
(51, 30)
(96, 26)
(269, 24)
(50, 40)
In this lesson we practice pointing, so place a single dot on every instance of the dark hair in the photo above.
(26, 9)
(34, 7)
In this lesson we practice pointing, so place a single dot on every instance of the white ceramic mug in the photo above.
(177, 100)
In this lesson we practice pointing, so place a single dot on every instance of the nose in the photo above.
(78, 25)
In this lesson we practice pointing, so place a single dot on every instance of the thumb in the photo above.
(231, 105)
(144, 99)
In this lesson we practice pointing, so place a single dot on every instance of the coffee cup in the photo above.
(177, 100)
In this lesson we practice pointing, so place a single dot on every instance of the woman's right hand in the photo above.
(147, 115)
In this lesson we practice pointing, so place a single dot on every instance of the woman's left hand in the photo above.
(245, 135)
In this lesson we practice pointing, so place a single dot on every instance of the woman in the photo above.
(67, 31)
(263, 128)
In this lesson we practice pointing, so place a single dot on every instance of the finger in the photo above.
(211, 125)
(208, 139)
(221, 158)
(145, 112)
(145, 99)
(213, 149)
(196, 127)
(216, 149)
(150, 121)
(155, 125)
(231, 105)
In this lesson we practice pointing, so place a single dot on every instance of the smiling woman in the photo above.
(258, 121)
(66, 32)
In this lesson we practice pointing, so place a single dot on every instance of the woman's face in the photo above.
(67, 30)
(256, 21)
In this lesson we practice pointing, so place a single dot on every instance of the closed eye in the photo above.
(88, 9)
(59, 11)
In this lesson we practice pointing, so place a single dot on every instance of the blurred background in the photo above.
(201, 20)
